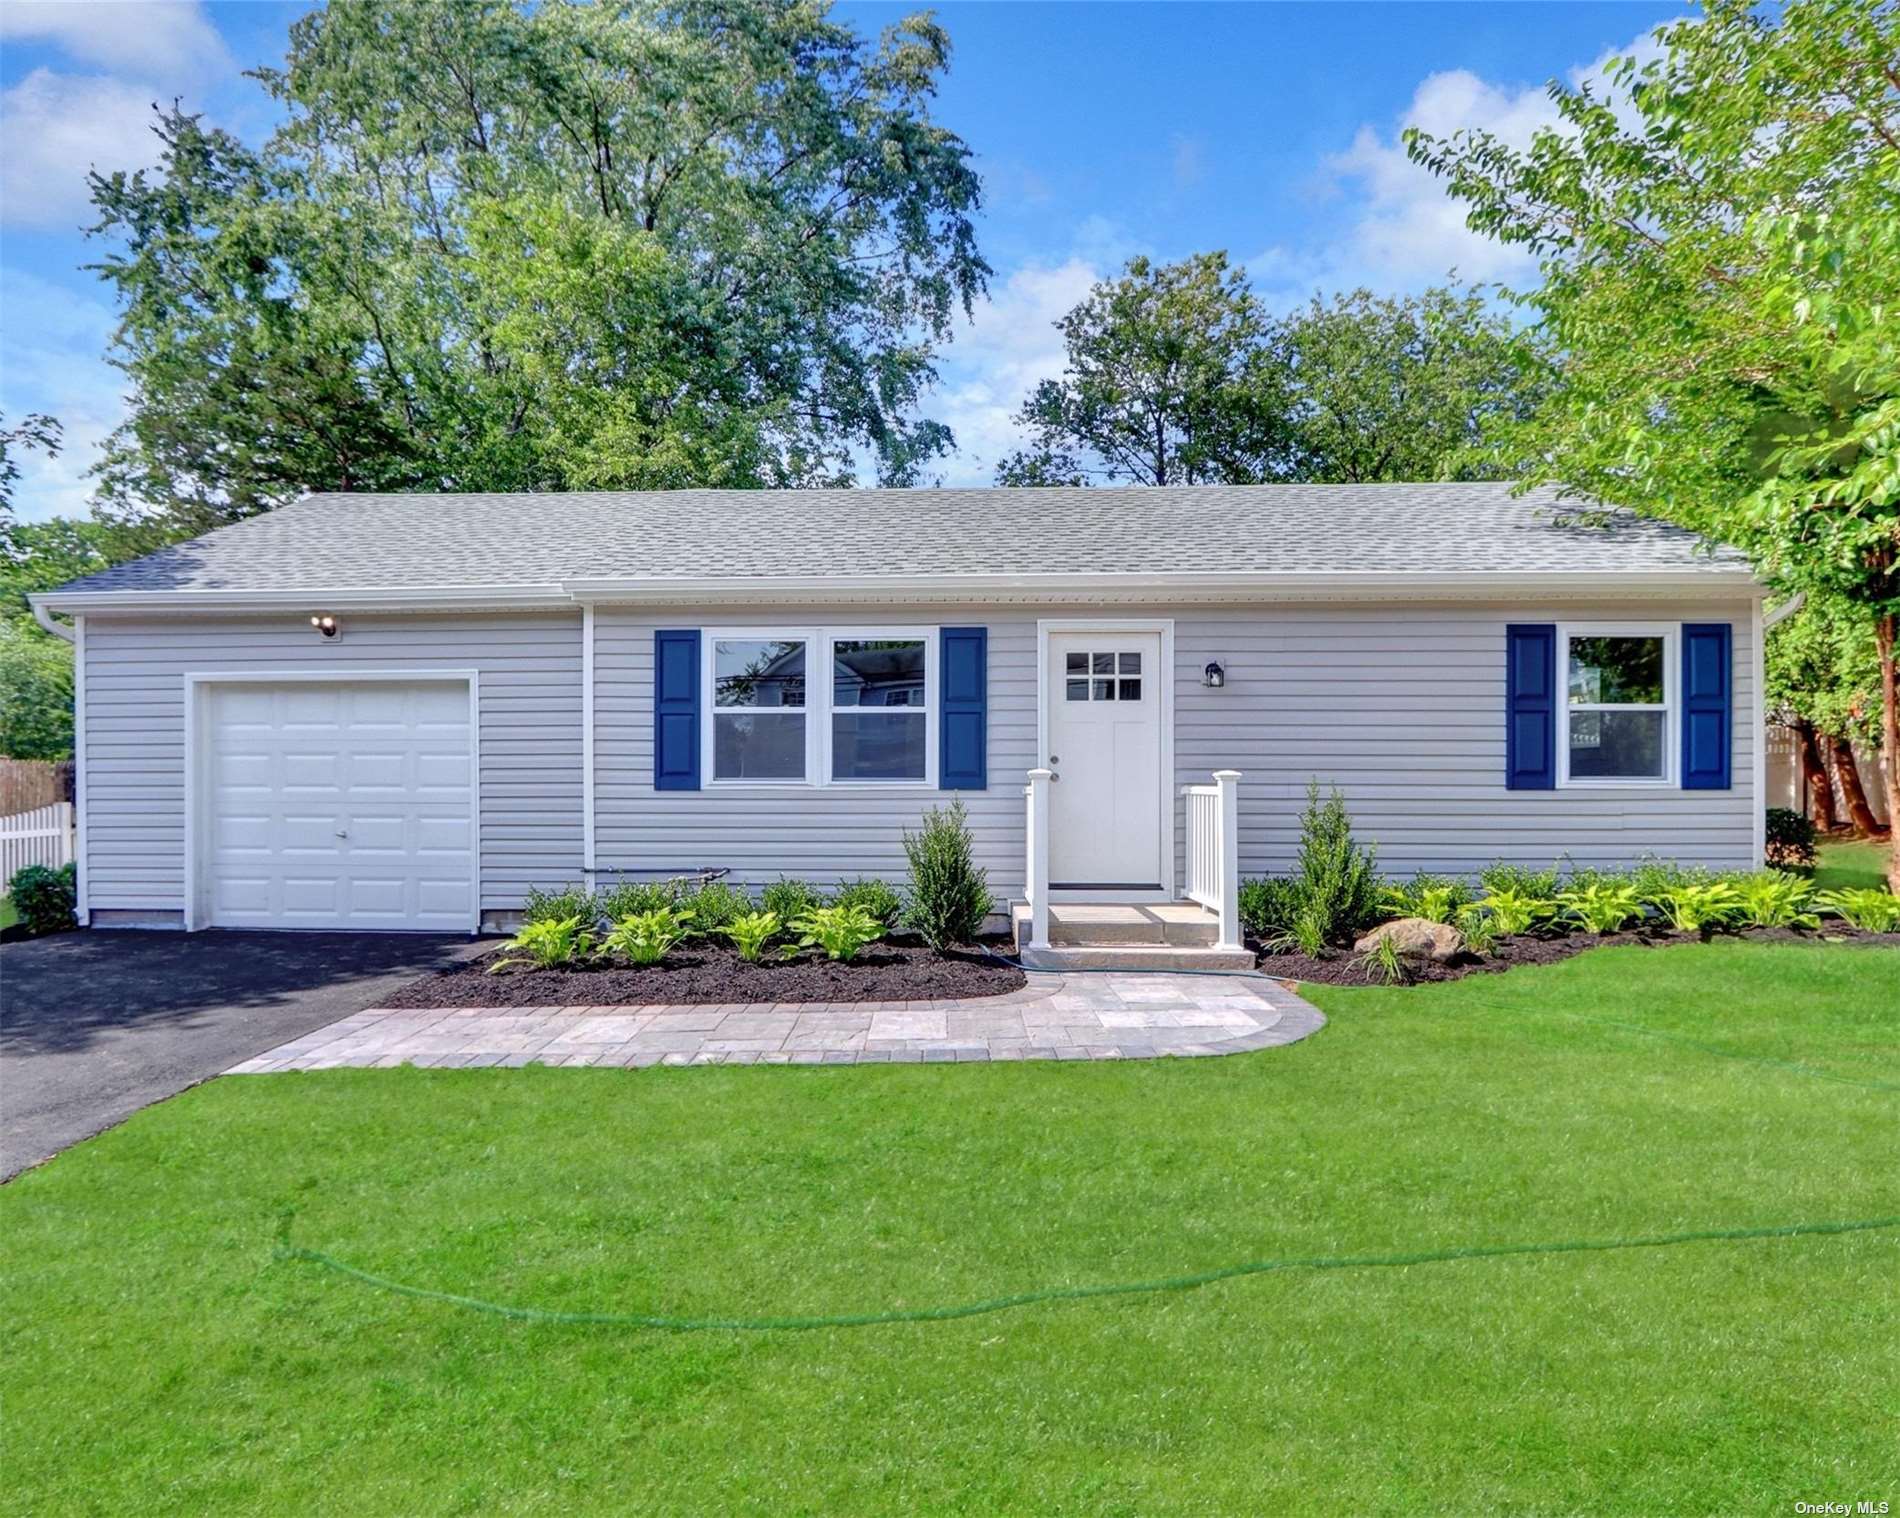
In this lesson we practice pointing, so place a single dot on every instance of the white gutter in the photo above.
(45, 618)
(1776, 615)
(817, 589)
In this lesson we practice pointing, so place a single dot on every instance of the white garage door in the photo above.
(339, 806)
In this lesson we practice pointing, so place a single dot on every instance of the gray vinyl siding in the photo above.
(529, 737)
(1401, 707)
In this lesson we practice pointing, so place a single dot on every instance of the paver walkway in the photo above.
(1075, 1016)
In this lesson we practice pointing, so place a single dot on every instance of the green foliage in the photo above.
(751, 932)
(948, 896)
(1268, 906)
(1436, 898)
(1698, 908)
(1653, 877)
(505, 247)
(634, 896)
(1479, 928)
(1337, 879)
(36, 709)
(1868, 908)
(791, 899)
(1383, 963)
(45, 898)
(1308, 933)
(1790, 840)
(840, 931)
(645, 938)
(1823, 667)
(559, 905)
(1769, 899)
(548, 944)
(1171, 380)
(1511, 911)
(1520, 879)
(878, 897)
(1601, 906)
(33, 433)
(1717, 247)
(713, 905)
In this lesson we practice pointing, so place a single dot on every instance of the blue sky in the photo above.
(1101, 130)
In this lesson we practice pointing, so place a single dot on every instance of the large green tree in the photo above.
(497, 246)
(1720, 263)
(1403, 388)
(1172, 379)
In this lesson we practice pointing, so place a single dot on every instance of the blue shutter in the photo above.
(1530, 700)
(963, 701)
(1707, 700)
(676, 710)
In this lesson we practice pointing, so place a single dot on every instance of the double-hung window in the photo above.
(822, 706)
(1619, 719)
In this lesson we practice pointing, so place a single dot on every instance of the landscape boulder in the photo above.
(1419, 937)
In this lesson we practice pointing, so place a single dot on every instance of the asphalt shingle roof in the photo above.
(337, 542)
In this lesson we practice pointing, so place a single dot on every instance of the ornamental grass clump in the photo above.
(547, 945)
(949, 896)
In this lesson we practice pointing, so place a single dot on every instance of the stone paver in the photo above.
(1080, 1015)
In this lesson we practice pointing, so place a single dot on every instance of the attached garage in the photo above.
(332, 802)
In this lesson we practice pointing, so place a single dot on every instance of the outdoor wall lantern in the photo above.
(1213, 677)
(325, 625)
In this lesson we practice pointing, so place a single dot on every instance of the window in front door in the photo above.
(1111, 675)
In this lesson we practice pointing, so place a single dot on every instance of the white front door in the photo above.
(338, 805)
(1104, 729)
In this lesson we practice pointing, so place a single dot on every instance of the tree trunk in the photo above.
(1814, 778)
(1847, 773)
(1890, 741)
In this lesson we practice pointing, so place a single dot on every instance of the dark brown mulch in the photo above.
(1344, 969)
(702, 973)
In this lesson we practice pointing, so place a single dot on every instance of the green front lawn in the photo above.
(156, 1356)
(1845, 866)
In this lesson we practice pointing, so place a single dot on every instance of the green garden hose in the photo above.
(288, 1251)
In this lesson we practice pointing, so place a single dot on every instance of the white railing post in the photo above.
(1228, 782)
(1036, 887)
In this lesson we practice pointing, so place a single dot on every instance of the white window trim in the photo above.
(818, 708)
(1671, 709)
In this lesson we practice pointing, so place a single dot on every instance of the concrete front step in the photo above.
(1135, 957)
(1181, 924)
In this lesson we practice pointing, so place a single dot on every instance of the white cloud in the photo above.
(55, 339)
(170, 40)
(1011, 345)
(1410, 230)
(53, 127)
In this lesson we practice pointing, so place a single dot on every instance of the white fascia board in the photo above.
(423, 598)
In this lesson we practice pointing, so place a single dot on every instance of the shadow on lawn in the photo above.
(58, 993)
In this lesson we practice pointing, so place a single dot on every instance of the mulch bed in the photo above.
(703, 973)
(1344, 969)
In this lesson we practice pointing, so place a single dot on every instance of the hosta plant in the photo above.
(550, 944)
(752, 932)
(1868, 908)
(644, 938)
(1429, 896)
(1699, 908)
(1774, 900)
(1512, 911)
(840, 931)
(1604, 906)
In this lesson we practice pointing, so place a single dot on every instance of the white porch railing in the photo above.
(41, 836)
(1036, 860)
(1213, 851)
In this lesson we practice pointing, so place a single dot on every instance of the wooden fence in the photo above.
(41, 836)
(27, 784)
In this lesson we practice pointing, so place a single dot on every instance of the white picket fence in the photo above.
(41, 836)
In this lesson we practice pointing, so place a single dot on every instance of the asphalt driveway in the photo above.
(94, 1026)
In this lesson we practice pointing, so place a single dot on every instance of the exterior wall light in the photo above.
(1213, 677)
(326, 626)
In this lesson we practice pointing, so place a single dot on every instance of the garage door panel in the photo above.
(346, 805)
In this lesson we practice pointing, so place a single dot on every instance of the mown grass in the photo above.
(156, 1356)
(1848, 866)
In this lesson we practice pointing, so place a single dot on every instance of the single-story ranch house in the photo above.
(404, 711)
